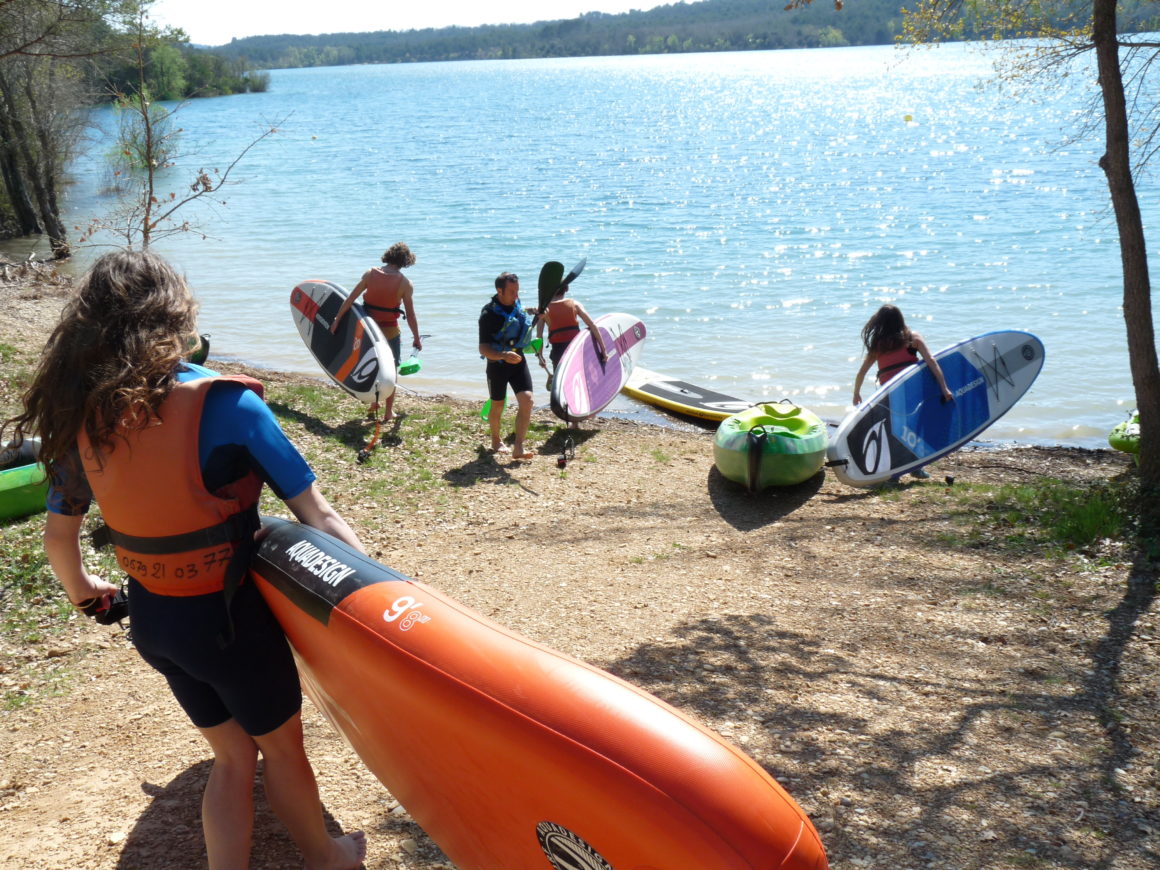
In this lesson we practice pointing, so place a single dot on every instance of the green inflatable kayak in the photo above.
(23, 485)
(200, 353)
(773, 444)
(1126, 436)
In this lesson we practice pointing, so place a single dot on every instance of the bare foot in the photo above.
(348, 853)
(499, 448)
(520, 453)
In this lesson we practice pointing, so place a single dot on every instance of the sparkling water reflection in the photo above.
(754, 209)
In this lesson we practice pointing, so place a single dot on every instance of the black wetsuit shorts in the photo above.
(253, 679)
(501, 375)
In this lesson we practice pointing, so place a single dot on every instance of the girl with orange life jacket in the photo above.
(176, 457)
(893, 346)
(388, 295)
(563, 318)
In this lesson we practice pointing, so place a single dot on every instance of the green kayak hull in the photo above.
(1126, 436)
(23, 485)
(772, 444)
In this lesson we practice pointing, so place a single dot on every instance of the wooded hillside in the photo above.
(708, 25)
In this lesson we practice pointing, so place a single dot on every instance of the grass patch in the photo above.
(34, 613)
(1062, 514)
(31, 600)
(1043, 514)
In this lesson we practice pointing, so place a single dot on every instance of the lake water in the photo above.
(752, 208)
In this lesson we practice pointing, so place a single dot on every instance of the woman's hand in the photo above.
(89, 587)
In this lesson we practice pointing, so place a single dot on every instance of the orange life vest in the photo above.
(170, 533)
(383, 297)
(564, 316)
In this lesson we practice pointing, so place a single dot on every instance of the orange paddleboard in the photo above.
(510, 755)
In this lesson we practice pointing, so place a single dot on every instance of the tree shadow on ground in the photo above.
(747, 511)
(744, 675)
(1102, 697)
(352, 433)
(169, 834)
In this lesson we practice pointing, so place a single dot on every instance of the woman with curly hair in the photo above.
(389, 296)
(176, 456)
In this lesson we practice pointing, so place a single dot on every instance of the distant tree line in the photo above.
(58, 58)
(178, 71)
(709, 25)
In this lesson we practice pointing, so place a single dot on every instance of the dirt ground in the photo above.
(932, 698)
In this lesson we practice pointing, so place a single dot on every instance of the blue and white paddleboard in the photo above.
(905, 424)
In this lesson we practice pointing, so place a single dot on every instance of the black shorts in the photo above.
(501, 375)
(557, 351)
(253, 680)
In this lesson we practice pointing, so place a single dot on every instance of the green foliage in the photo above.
(167, 72)
(34, 611)
(137, 147)
(211, 74)
(175, 70)
(945, 20)
(1045, 513)
(710, 25)
(1067, 515)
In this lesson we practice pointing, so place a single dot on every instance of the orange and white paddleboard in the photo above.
(356, 356)
(510, 755)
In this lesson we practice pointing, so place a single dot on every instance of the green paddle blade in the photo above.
(550, 277)
(486, 409)
(412, 365)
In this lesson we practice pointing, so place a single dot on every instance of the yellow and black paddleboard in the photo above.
(681, 397)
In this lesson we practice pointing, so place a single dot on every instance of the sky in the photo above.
(216, 22)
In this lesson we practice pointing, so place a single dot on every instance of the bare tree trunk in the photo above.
(1116, 163)
(30, 168)
(51, 146)
(14, 184)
